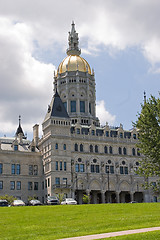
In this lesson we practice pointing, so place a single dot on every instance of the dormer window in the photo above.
(121, 135)
(134, 136)
(16, 147)
(33, 149)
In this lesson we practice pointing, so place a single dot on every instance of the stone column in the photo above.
(117, 197)
(132, 196)
(103, 196)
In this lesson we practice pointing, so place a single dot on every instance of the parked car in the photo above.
(3, 203)
(35, 202)
(18, 203)
(69, 201)
(52, 200)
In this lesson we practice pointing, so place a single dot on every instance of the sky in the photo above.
(120, 39)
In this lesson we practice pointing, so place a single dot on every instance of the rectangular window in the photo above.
(45, 183)
(15, 147)
(57, 181)
(107, 133)
(18, 185)
(89, 107)
(60, 166)
(56, 165)
(82, 106)
(18, 169)
(78, 131)
(48, 182)
(64, 146)
(93, 132)
(35, 185)
(1, 184)
(35, 171)
(121, 170)
(29, 185)
(65, 181)
(92, 168)
(12, 185)
(65, 105)
(73, 106)
(77, 167)
(1, 168)
(42, 185)
(81, 167)
(13, 169)
(56, 146)
(112, 169)
(107, 169)
(30, 169)
(97, 168)
(126, 170)
(65, 166)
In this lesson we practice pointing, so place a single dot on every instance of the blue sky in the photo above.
(119, 39)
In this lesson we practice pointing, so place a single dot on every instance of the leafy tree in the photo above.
(60, 197)
(86, 198)
(32, 198)
(148, 126)
(9, 199)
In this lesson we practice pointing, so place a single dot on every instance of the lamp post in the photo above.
(108, 180)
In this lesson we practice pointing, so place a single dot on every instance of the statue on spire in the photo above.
(73, 42)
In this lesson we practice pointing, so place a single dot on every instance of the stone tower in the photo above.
(75, 84)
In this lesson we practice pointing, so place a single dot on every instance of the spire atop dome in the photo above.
(73, 42)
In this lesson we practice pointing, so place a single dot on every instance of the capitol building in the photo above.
(76, 155)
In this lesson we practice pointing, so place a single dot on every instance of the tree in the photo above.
(9, 199)
(148, 126)
(60, 197)
(86, 198)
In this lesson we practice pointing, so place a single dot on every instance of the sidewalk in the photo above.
(113, 234)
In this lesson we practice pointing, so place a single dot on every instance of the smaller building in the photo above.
(21, 171)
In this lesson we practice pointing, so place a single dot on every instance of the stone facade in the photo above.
(76, 155)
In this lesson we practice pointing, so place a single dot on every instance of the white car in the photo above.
(18, 203)
(69, 201)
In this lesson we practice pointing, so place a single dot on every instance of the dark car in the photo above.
(52, 200)
(3, 203)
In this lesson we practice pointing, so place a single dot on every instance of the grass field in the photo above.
(53, 222)
(155, 235)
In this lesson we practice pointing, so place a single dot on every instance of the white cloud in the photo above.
(103, 115)
(30, 27)
(25, 83)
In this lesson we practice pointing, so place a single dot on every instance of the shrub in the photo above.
(86, 198)
(9, 199)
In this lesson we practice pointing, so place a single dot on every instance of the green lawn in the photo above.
(155, 235)
(53, 222)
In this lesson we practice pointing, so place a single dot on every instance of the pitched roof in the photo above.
(56, 108)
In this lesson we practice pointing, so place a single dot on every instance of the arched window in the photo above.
(76, 147)
(110, 150)
(138, 153)
(105, 149)
(96, 148)
(133, 152)
(124, 151)
(120, 150)
(81, 147)
(91, 148)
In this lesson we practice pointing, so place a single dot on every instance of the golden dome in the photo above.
(74, 63)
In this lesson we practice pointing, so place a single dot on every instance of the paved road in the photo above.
(113, 234)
